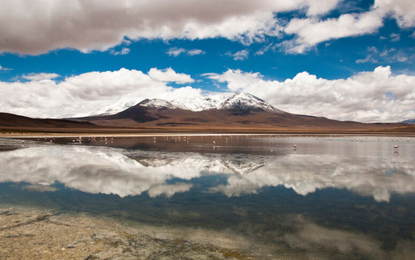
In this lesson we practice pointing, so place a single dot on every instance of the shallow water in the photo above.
(326, 198)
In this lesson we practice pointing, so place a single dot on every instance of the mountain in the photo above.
(237, 102)
(246, 102)
(196, 104)
(200, 103)
(240, 111)
(157, 104)
(410, 121)
(12, 121)
(242, 102)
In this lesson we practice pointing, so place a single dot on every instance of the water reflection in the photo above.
(302, 205)
(132, 172)
(90, 169)
(307, 173)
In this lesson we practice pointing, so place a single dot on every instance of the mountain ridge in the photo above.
(238, 101)
(238, 111)
(195, 104)
(410, 121)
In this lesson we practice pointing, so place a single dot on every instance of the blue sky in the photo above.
(334, 46)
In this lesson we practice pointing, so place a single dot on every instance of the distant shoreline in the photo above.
(179, 125)
(173, 134)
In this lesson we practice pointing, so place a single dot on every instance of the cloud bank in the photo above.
(90, 93)
(373, 96)
(35, 26)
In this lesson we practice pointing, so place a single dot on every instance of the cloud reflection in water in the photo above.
(132, 172)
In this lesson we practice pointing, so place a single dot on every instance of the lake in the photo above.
(208, 197)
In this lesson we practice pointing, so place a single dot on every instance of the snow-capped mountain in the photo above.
(238, 101)
(200, 103)
(246, 101)
(227, 101)
(157, 103)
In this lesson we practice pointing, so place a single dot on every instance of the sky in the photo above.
(344, 60)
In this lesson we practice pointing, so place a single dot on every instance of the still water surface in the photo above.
(326, 198)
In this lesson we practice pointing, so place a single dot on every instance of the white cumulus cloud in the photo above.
(373, 96)
(402, 10)
(90, 93)
(311, 31)
(169, 75)
(40, 76)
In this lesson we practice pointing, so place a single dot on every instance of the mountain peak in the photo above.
(156, 103)
(245, 94)
(245, 101)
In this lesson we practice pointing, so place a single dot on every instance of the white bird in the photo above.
(396, 146)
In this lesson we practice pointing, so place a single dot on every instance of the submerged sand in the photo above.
(28, 233)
